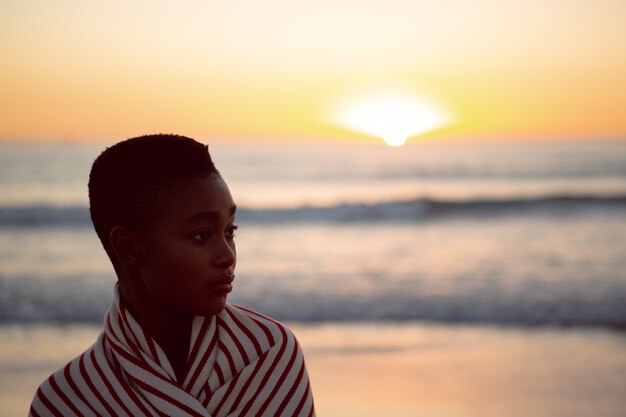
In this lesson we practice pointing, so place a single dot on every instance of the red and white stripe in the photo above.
(240, 364)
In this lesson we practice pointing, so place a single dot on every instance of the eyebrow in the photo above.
(210, 215)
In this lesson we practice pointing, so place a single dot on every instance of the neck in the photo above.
(172, 332)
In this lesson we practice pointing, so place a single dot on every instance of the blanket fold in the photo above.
(240, 363)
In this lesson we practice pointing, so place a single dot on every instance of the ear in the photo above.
(127, 245)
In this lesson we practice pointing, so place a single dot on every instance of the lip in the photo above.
(222, 284)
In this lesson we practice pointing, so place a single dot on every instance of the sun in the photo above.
(394, 118)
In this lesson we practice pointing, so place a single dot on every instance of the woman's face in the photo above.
(190, 252)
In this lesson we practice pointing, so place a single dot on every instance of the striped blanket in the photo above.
(240, 364)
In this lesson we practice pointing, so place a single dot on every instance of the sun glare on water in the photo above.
(394, 118)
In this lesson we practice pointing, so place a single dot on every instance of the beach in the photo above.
(408, 369)
(440, 281)
(467, 371)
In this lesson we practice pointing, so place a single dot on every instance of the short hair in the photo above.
(129, 179)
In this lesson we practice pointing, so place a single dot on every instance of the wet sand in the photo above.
(397, 369)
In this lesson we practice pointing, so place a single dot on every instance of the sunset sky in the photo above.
(285, 69)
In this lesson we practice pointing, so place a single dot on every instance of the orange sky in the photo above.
(275, 69)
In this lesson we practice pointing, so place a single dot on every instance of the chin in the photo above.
(212, 307)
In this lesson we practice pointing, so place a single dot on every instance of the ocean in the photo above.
(434, 279)
(509, 234)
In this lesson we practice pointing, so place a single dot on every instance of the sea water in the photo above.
(508, 233)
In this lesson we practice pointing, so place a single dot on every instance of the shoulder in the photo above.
(59, 393)
(277, 371)
(79, 388)
(261, 327)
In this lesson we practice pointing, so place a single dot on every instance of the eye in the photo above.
(201, 236)
(230, 232)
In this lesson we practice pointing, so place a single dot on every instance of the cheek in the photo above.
(168, 262)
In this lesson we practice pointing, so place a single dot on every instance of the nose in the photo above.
(226, 255)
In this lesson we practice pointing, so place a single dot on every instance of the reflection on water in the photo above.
(404, 369)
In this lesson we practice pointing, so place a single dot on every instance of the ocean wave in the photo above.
(76, 300)
(421, 209)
